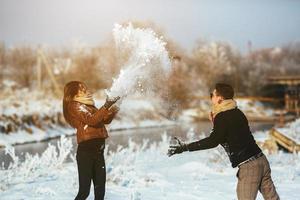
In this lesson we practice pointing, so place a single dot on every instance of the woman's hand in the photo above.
(110, 102)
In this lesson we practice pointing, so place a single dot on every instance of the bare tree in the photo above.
(21, 62)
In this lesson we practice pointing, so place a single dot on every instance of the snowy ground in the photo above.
(254, 108)
(143, 172)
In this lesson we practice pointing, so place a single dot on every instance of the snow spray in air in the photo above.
(146, 60)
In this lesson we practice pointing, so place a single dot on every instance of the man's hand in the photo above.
(178, 148)
(110, 102)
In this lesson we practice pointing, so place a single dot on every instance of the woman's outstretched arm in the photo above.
(111, 115)
(80, 111)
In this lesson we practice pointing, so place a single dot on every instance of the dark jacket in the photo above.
(232, 131)
(89, 121)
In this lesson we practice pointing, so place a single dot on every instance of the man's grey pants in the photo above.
(253, 176)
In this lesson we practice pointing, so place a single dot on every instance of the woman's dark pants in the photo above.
(91, 166)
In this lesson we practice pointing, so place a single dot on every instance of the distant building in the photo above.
(291, 86)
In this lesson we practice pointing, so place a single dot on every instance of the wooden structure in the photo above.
(42, 59)
(284, 141)
(291, 92)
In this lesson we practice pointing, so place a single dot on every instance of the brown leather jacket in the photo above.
(89, 121)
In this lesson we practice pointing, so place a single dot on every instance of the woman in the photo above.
(80, 112)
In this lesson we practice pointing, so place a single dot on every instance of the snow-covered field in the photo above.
(254, 109)
(142, 172)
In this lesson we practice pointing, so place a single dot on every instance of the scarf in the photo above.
(85, 99)
(227, 104)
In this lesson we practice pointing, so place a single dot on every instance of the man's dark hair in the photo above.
(224, 90)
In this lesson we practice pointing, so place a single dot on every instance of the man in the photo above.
(231, 130)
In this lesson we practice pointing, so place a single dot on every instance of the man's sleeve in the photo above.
(216, 137)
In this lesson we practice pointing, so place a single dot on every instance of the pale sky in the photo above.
(267, 23)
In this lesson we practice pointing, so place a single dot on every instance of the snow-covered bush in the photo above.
(35, 166)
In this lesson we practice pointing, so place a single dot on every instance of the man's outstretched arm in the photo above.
(216, 137)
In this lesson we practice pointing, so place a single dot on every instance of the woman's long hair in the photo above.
(70, 91)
